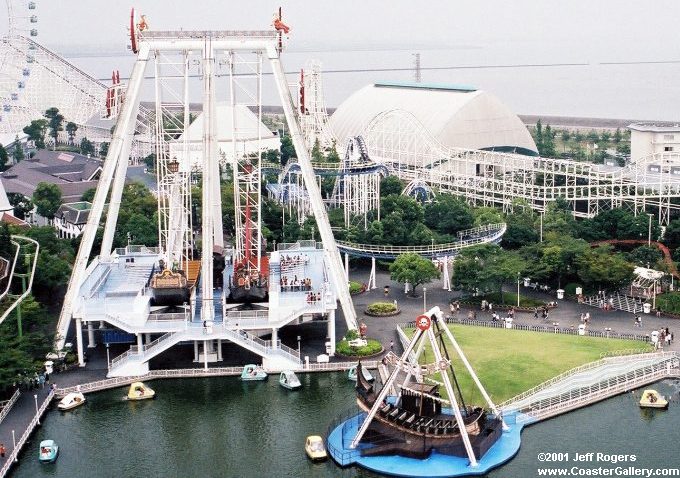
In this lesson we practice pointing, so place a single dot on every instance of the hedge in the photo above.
(372, 347)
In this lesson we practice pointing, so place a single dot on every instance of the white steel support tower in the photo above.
(245, 90)
(207, 45)
(312, 108)
(172, 119)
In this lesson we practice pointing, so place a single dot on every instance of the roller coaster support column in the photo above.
(346, 267)
(447, 276)
(90, 336)
(371, 278)
(79, 342)
(315, 199)
(331, 331)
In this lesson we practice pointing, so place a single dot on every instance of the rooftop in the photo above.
(656, 126)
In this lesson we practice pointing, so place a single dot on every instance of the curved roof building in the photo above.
(456, 116)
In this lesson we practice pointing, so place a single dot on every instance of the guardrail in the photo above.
(7, 405)
(13, 456)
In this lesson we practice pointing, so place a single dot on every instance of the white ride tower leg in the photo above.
(118, 151)
(318, 208)
(371, 278)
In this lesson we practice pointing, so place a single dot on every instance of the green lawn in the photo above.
(509, 362)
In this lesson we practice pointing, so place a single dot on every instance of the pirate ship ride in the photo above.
(419, 423)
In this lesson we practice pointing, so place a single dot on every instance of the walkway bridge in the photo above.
(491, 233)
(593, 382)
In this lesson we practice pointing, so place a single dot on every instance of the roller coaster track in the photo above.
(26, 248)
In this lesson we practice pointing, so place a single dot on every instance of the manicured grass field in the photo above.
(509, 362)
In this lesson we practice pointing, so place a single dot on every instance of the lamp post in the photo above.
(649, 235)
(35, 397)
(424, 299)
(518, 290)
(654, 297)
(541, 226)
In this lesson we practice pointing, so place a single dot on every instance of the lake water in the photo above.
(559, 83)
(221, 427)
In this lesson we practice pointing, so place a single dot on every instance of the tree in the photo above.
(448, 214)
(547, 143)
(36, 132)
(411, 211)
(645, 256)
(71, 129)
(4, 157)
(486, 268)
(413, 269)
(104, 149)
(390, 185)
(47, 199)
(21, 204)
(672, 235)
(18, 152)
(539, 136)
(287, 150)
(600, 269)
(6, 248)
(332, 154)
(88, 195)
(606, 136)
(52, 277)
(317, 155)
(618, 136)
(86, 147)
(565, 135)
(56, 122)
(518, 235)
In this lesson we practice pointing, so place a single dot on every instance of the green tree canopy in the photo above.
(55, 122)
(36, 132)
(86, 147)
(47, 199)
(71, 129)
(390, 185)
(21, 204)
(413, 269)
(4, 158)
(448, 214)
(287, 149)
(600, 268)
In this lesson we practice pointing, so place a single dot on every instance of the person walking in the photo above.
(2, 450)
(391, 345)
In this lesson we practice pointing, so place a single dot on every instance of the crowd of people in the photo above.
(288, 262)
(295, 284)
(664, 338)
(313, 298)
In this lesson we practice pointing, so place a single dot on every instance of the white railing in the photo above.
(123, 358)
(11, 272)
(164, 317)
(551, 406)
(12, 457)
(293, 352)
(437, 249)
(7, 405)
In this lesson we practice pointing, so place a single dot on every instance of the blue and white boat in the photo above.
(253, 372)
(48, 451)
(352, 374)
(289, 380)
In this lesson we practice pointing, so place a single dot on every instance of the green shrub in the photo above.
(381, 308)
(668, 302)
(371, 348)
(352, 334)
(355, 287)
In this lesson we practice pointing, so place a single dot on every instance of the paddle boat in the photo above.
(253, 372)
(48, 451)
(352, 374)
(653, 399)
(289, 380)
(71, 401)
(139, 391)
(315, 449)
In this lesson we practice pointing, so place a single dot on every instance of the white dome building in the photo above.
(246, 133)
(456, 116)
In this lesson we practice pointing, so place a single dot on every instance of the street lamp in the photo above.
(518, 290)
(424, 299)
(36, 408)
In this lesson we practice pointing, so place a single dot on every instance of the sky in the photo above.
(602, 30)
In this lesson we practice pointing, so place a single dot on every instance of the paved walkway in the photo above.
(566, 314)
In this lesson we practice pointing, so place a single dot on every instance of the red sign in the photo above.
(423, 322)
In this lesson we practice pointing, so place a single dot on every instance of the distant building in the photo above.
(71, 218)
(72, 173)
(246, 131)
(456, 116)
(647, 138)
